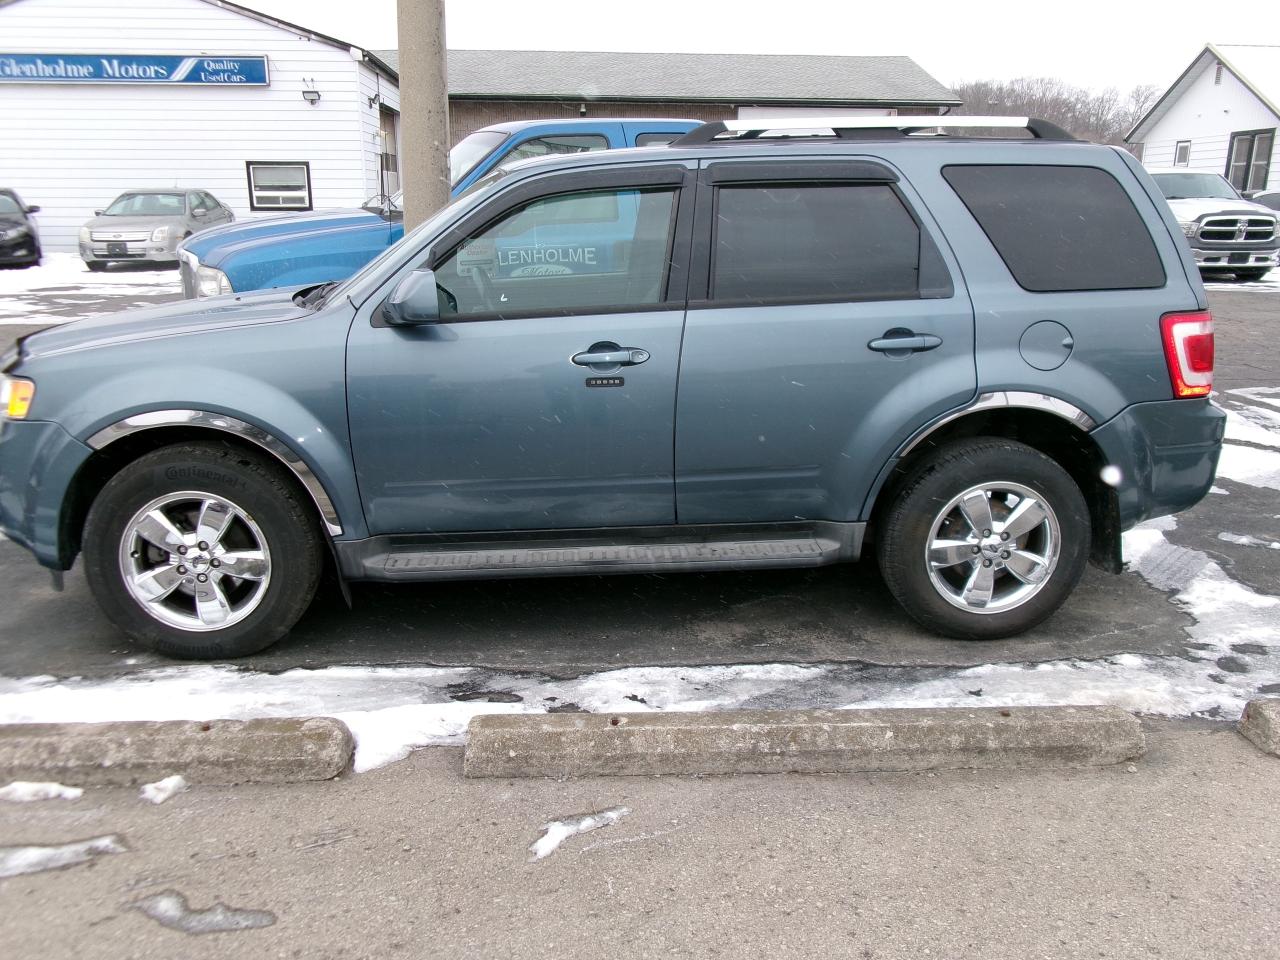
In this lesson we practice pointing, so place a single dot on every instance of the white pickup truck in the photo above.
(1227, 233)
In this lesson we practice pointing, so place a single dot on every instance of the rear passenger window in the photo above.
(814, 242)
(1060, 228)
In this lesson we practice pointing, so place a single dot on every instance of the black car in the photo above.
(19, 238)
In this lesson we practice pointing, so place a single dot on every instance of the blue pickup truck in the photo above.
(298, 249)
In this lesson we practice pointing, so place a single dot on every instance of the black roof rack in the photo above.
(861, 128)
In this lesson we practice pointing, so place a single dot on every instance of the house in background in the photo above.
(494, 86)
(1221, 115)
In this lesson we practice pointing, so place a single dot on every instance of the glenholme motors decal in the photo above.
(178, 69)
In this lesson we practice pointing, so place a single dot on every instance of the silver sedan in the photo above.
(146, 226)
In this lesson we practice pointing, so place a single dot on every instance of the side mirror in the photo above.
(34, 208)
(97, 213)
(414, 302)
(200, 213)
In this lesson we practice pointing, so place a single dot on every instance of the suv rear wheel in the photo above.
(988, 538)
(202, 551)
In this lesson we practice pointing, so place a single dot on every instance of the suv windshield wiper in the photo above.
(314, 296)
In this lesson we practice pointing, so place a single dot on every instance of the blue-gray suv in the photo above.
(748, 349)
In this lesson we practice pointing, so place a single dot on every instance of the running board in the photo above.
(633, 550)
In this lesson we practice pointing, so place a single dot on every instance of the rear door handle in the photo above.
(903, 342)
(623, 356)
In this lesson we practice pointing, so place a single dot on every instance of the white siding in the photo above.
(372, 84)
(72, 147)
(1207, 114)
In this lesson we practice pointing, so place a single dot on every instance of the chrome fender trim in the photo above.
(246, 431)
(1007, 398)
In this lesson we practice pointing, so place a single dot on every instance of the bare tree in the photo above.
(1103, 116)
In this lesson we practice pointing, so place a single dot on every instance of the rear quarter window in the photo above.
(1060, 228)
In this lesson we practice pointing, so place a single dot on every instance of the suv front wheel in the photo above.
(987, 538)
(202, 551)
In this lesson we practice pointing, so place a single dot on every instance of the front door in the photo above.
(825, 326)
(545, 399)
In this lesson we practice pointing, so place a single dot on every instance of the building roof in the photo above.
(1257, 66)
(361, 54)
(737, 77)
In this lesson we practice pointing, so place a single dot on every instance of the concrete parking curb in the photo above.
(284, 750)
(1260, 724)
(805, 741)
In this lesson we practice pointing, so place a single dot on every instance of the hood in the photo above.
(12, 220)
(205, 244)
(123, 224)
(166, 320)
(1193, 208)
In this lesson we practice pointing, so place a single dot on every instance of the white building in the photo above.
(1221, 115)
(99, 97)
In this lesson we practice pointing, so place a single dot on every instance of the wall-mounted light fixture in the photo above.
(582, 109)
(375, 100)
(309, 93)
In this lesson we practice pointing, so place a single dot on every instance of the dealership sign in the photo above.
(133, 68)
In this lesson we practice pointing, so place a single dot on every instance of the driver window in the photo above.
(604, 249)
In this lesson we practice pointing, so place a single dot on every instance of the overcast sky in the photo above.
(1092, 43)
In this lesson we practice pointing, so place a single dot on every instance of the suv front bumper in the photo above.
(38, 461)
(1220, 259)
(1167, 453)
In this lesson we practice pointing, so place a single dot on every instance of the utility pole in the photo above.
(424, 109)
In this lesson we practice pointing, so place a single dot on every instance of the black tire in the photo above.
(96, 266)
(262, 491)
(1251, 276)
(953, 469)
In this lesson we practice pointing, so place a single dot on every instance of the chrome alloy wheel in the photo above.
(993, 547)
(195, 561)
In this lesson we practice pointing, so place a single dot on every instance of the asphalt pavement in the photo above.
(1176, 856)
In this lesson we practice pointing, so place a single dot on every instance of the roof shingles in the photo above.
(751, 78)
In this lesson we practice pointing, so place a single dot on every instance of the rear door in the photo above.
(825, 324)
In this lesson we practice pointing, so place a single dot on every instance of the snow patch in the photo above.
(169, 909)
(1252, 425)
(1257, 468)
(1244, 540)
(27, 791)
(558, 831)
(1268, 284)
(17, 861)
(384, 736)
(1227, 614)
(63, 280)
(162, 790)
(390, 710)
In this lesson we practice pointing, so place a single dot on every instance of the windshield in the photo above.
(8, 204)
(473, 195)
(146, 205)
(470, 151)
(1185, 186)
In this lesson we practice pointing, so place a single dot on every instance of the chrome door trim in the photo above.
(247, 431)
(1008, 398)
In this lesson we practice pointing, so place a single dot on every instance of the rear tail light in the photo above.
(1188, 349)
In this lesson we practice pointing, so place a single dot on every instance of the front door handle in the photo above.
(621, 356)
(899, 342)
